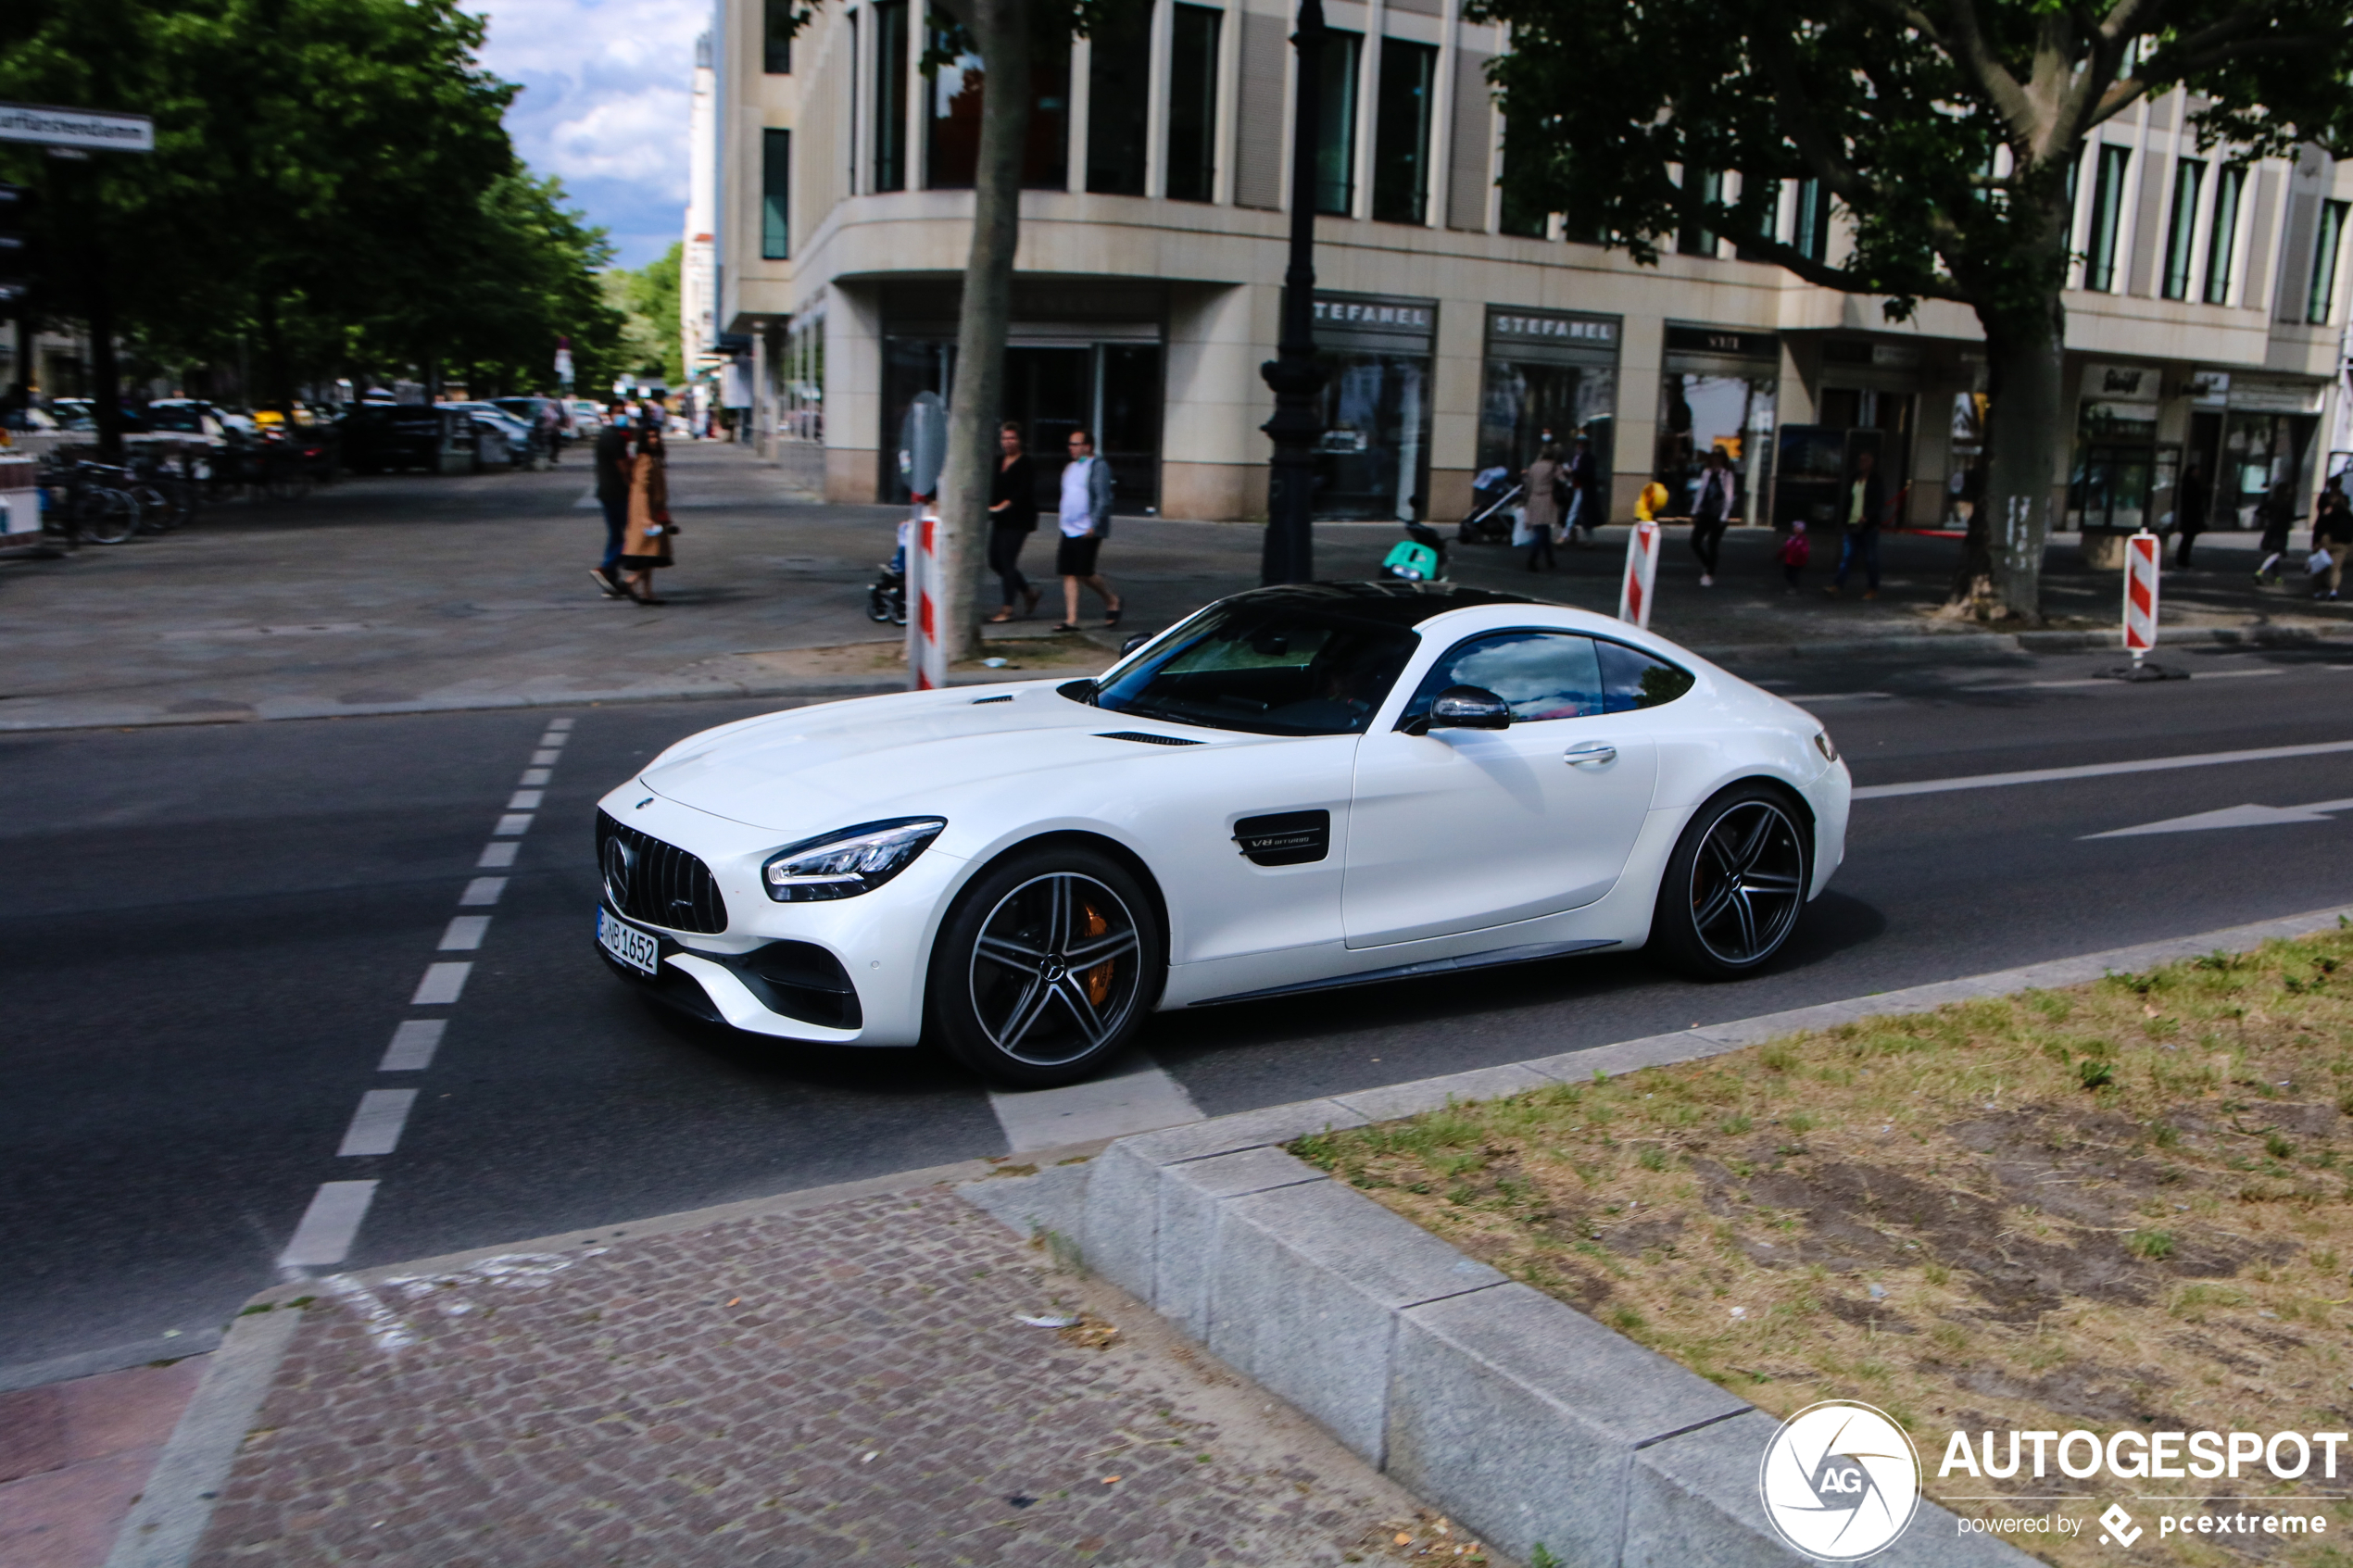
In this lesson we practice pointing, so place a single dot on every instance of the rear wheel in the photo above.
(1735, 884)
(106, 516)
(1046, 967)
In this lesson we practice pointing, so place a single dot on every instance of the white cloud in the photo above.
(604, 105)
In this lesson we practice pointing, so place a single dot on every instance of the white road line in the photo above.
(497, 855)
(441, 985)
(526, 800)
(483, 890)
(512, 825)
(2102, 770)
(559, 724)
(413, 1045)
(1139, 1099)
(328, 1225)
(375, 1126)
(536, 775)
(547, 758)
(465, 933)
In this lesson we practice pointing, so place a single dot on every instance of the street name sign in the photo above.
(103, 130)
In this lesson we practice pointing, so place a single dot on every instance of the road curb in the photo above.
(837, 688)
(1507, 1409)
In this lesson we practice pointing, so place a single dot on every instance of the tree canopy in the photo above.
(1943, 132)
(332, 190)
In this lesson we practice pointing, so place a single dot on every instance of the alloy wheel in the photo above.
(1056, 968)
(1748, 882)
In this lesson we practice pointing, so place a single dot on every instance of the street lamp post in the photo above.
(1294, 374)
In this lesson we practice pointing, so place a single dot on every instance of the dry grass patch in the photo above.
(2121, 1205)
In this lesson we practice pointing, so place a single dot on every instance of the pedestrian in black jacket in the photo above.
(2189, 510)
(1012, 518)
(612, 494)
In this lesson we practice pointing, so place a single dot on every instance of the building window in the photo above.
(1691, 239)
(2181, 234)
(1400, 132)
(1119, 75)
(1522, 214)
(2222, 234)
(775, 194)
(775, 56)
(2322, 299)
(2107, 212)
(1192, 103)
(890, 94)
(952, 153)
(1336, 135)
(1810, 230)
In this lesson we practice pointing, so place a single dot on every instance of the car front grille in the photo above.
(657, 883)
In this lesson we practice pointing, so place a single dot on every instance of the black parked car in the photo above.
(388, 437)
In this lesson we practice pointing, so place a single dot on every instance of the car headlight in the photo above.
(844, 864)
(1822, 744)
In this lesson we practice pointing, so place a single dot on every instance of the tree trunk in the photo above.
(2026, 430)
(1001, 30)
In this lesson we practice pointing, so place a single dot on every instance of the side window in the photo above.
(1541, 675)
(1632, 679)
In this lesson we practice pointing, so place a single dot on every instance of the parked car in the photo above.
(587, 417)
(503, 440)
(389, 438)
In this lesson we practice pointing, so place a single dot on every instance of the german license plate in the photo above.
(638, 950)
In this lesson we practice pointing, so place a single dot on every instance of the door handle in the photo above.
(1590, 751)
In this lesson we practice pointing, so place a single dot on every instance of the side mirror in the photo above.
(1469, 708)
(1132, 644)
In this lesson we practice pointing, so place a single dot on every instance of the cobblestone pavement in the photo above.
(840, 1385)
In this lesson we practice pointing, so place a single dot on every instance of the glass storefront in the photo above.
(1051, 388)
(1549, 376)
(2121, 477)
(1717, 392)
(1372, 463)
(2255, 434)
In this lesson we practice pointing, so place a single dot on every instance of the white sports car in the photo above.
(1293, 789)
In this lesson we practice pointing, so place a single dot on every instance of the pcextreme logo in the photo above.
(1840, 1481)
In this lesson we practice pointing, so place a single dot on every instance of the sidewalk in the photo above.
(73, 1455)
(847, 1380)
(411, 593)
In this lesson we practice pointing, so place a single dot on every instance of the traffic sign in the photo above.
(1641, 573)
(2142, 555)
(99, 129)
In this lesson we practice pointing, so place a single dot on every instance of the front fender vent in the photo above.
(1144, 738)
(1285, 838)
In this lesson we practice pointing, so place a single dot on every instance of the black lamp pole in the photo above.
(1294, 376)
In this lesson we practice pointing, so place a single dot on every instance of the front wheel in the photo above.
(1734, 886)
(1046, 967)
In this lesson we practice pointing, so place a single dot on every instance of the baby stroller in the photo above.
(1492, 513)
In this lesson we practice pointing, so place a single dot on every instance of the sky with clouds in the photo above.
(603, 107)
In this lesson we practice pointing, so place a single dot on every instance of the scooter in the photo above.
(887, 596)
(1420, 556)
(1491, 518)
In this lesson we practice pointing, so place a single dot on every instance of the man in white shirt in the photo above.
(1086, 522)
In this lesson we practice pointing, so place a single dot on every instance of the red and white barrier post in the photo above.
(1641, 572)
(926, 655)
(2144, 556)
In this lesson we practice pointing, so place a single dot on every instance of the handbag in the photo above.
(2319, 564)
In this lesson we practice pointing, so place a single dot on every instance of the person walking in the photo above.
(1794, 555)
(2190, 502)
(2333, 536)
(1086, 523)
(1865, 501)
(611, 455)
(1541, 508)
(1584, 498)
(1012, 518)
(1712, 513)
(2278, 512)
(648, 544)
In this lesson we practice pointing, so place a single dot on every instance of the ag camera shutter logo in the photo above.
(1840, 1481)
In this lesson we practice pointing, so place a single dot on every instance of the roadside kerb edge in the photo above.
(1515, 1413)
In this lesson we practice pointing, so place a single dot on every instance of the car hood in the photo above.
(813, 770)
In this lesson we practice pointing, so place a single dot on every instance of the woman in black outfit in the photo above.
(1012, 518)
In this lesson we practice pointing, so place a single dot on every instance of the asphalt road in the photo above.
(211, 933)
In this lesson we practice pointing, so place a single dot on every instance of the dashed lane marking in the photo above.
(2102, 770)
(441, 985)
(495, 856)
(375, 1126)
(324, 1236)
(413, 1045)
(514, 825)
(536, 775)
(483, 890)
(464, 933)
(527, 801)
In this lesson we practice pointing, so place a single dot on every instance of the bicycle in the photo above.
(167, 500)
(99, 506)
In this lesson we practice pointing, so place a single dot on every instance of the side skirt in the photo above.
(1526, 953)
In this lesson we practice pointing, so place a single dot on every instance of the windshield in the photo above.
(1276, 667)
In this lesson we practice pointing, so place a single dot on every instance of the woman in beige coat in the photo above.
(646, 541)
(1542, 510)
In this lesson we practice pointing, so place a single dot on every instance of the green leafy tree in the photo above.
(650, 296)
(1945, 130)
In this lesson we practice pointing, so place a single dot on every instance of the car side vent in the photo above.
(1285, 838)
(1000, 696)
(1142, 737)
